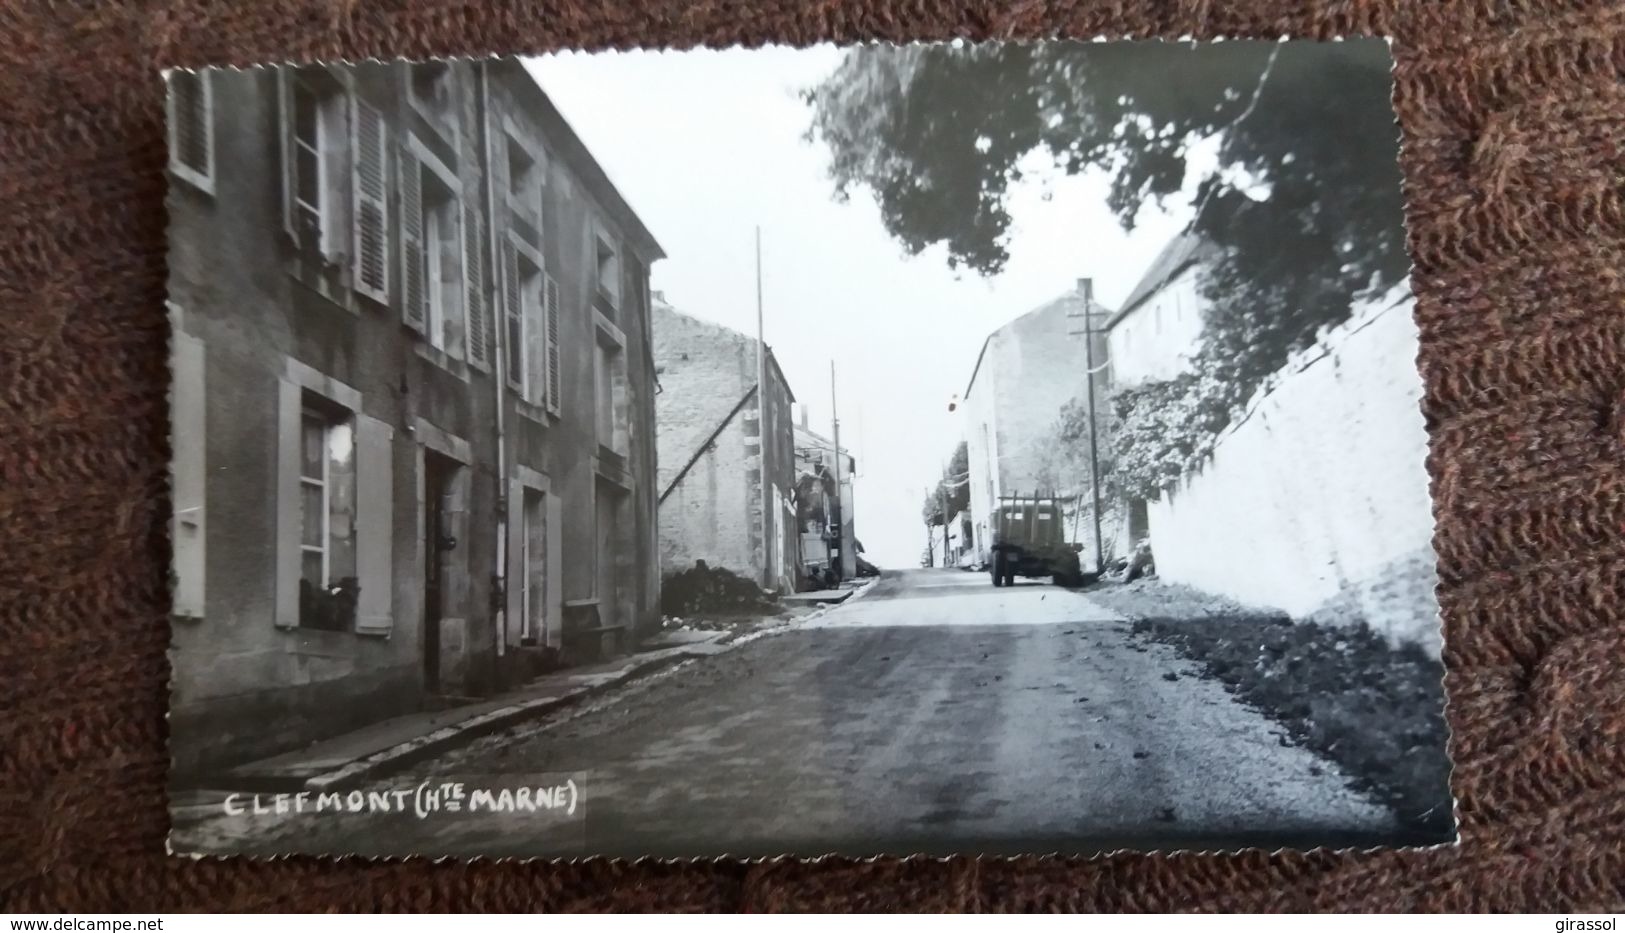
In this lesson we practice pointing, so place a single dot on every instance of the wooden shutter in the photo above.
(374, 525)
(553, 608)
(290, 402)
(285, 131)
(414, 290)
(371, 203)
(474, 305)
(551, 310)
(516, 568)
(188, 475)
(513, 306)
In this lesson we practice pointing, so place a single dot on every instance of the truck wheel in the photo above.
(1009, 574)
(997, 565)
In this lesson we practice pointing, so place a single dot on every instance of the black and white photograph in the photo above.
(945, 449)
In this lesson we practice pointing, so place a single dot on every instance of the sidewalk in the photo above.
(391, 744)
(394, 743)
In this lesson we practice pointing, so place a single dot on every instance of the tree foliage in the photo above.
(955, 487)
(1303, 202)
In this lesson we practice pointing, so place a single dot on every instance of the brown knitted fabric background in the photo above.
(1513, 113)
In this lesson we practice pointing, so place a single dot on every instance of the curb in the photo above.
(426, 746)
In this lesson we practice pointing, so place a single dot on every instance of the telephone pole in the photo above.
(838, 563)
(1088, 286)
(942, 497)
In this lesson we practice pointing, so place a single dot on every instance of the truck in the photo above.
(1029, 540)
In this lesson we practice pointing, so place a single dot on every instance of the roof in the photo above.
(568, 145)
(1182, 252)
(1073, 297)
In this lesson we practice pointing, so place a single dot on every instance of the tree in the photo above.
(956, 485)
(1304, 203)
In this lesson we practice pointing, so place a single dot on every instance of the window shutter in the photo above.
(553, 632)
(191, 130)
(286, 480)
(474, 304)
(371, 207)
(374, 524)
(188, 478)
(516, 563)
(513, 306)
(285, 130)
(414, 310)
(553, 309)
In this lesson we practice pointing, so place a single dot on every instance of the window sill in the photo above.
(442, 359)
(531, 411)
(193, 178)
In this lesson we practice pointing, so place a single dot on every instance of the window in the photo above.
(611, 398)
(432, 92)
(327, 542)
(533, 568)
(524, 176)
(191, 128)
(314, 146)
(526, 324)
(442, 250)
(608, 273)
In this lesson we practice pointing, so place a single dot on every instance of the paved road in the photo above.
(936, 714)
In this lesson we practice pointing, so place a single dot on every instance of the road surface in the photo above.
(936, 714)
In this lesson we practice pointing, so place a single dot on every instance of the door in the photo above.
(438, 473)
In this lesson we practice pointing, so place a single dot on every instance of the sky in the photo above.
(707, 146)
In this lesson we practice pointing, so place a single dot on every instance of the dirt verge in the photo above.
(1345, 692)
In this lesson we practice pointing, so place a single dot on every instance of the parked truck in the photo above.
(1029, 540)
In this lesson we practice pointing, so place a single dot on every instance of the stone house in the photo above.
(716, 436)
(412, 401)
(1026, 372)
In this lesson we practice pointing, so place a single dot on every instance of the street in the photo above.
(935, 714)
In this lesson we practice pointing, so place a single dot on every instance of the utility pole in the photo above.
(761, 427)
(838, 564)
(1088, 286)
(942, 497)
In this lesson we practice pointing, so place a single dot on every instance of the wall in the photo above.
(714, 512)
(1157, 339)
(1317, 503)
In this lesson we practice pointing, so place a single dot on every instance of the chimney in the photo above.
(803, 407)
(659, 295)
(1086, 288)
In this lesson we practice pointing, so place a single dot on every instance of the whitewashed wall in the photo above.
(1157, 339)
(1317, 502)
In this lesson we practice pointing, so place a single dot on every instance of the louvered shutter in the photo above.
(513, 308)
(289, 524)
(414, 290)
(552, 309)
(474, 304)
(285, 130)
(375, 525)
(369, 187)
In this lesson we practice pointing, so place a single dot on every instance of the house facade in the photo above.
(716, 438)
(825, 503)
(1026, 372)
(412, 398)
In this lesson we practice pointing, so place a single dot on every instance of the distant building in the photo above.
(819, 506)
(715, 439)
(1156, 333)
(413, 398)
(1026, 372)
